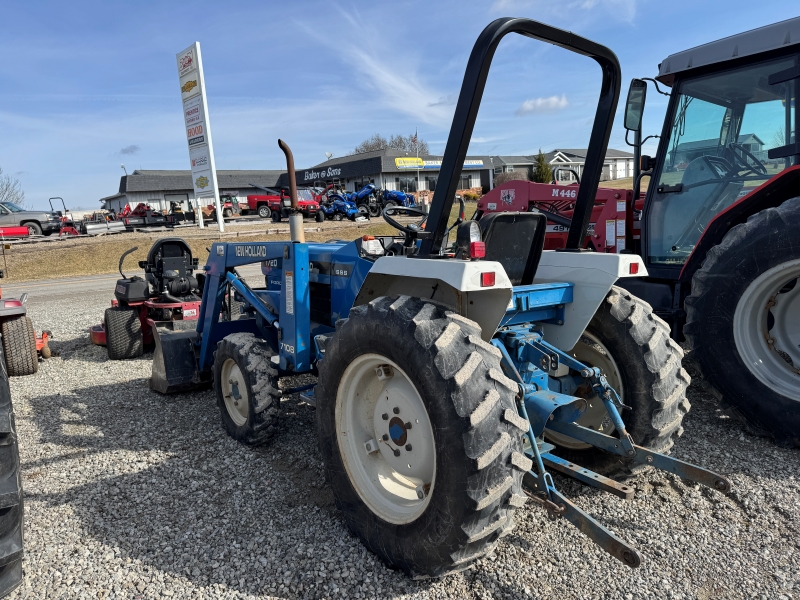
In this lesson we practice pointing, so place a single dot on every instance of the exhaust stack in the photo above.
(295, 218)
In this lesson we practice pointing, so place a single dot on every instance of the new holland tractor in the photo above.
(717, 227)
(456, 366)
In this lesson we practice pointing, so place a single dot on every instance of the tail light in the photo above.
(633, 268)
(487, 279)
(478, 250)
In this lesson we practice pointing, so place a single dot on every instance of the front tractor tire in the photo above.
(124, 338)
(19, 346)
(634, 350)
(743, 322)
(420, 435)
(246, 385)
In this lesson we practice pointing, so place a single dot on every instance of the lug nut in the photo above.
(385, 437)
(408, 447)
(420, 494)
(396, 410)
(396, 452)
(385, 417)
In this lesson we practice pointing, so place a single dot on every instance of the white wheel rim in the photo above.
(591, 351)
(389, 485)
(234, 392)
(766, 328)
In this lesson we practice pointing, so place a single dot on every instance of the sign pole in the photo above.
(198, 131)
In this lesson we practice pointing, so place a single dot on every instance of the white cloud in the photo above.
(580, 10)
(543, 105)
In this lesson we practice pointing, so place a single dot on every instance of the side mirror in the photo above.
(634, 107)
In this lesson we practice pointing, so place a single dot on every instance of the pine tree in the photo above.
(541, 171)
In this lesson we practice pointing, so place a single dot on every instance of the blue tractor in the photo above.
(337, 206)
(457, 367)
(367, 199)
(397, 198)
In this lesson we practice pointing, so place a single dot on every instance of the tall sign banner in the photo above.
(198, 130)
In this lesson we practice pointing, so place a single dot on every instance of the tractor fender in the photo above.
(11, 308)
(592, 274)
(455, 283)
(770, 194)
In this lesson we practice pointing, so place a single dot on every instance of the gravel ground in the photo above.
(133, 495)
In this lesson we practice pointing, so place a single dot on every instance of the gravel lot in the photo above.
(133, 495)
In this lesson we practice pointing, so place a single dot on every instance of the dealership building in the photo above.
(388, 169)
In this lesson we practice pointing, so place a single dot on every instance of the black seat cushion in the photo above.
(515, 240)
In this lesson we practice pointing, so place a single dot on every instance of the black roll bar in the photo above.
(469, 101)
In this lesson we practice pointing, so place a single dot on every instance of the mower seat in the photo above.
(168, 259)
(515, 240)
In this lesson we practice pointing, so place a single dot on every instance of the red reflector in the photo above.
(478, 250)
(633, 268)
(487, 279)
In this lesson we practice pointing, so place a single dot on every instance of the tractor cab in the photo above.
(727, 133)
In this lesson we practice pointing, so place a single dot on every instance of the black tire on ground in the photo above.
(374, 210)
(264, 211)
(653, 381)
(320, 217)
(19, 346)
(227, 213)
(11, 508)
(252, 357)
(33, 228)
(478, 434)
(767, 240)
(123, 333)
(390, 203)
(363, 209)
(276, 216)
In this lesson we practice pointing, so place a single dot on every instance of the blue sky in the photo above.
(85, 86)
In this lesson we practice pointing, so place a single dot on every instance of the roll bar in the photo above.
(469, 101)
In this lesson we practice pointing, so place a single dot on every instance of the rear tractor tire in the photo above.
(320, 217)
(123, 333)
(420, 435)
(11, 509)
(743, 322)
(634, 350)
(19, 346)
(246, 385)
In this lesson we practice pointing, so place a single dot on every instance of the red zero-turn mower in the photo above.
(168, 296)
(22, 346)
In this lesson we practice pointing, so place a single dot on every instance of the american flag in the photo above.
(414, 139)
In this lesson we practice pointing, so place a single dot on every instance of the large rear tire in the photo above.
(424, 458)
(743, 322)
(19, 346)
(123, 333)
(633, 348)
(246, 385)
(320, 217)
(11, 501)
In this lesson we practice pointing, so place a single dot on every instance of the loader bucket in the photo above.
(174, 360)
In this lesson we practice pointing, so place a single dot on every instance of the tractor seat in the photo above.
(516, 241)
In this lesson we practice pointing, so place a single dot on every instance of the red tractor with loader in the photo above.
(717, 226)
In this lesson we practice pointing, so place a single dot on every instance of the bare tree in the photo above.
(11, 190)
(510, 176)
(406, 143)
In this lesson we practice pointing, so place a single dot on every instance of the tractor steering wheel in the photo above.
(412, 231)
(756, 169)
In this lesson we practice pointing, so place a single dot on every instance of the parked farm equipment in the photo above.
(167, 296)
(143, 215)
(337, 206)
(22, 344)
(367, 200)
(449, 372)
(396, 198)
(717, 226)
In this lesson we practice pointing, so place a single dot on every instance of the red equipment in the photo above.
(169, 294)
(272, 202)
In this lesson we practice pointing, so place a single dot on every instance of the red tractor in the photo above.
(717, 226)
